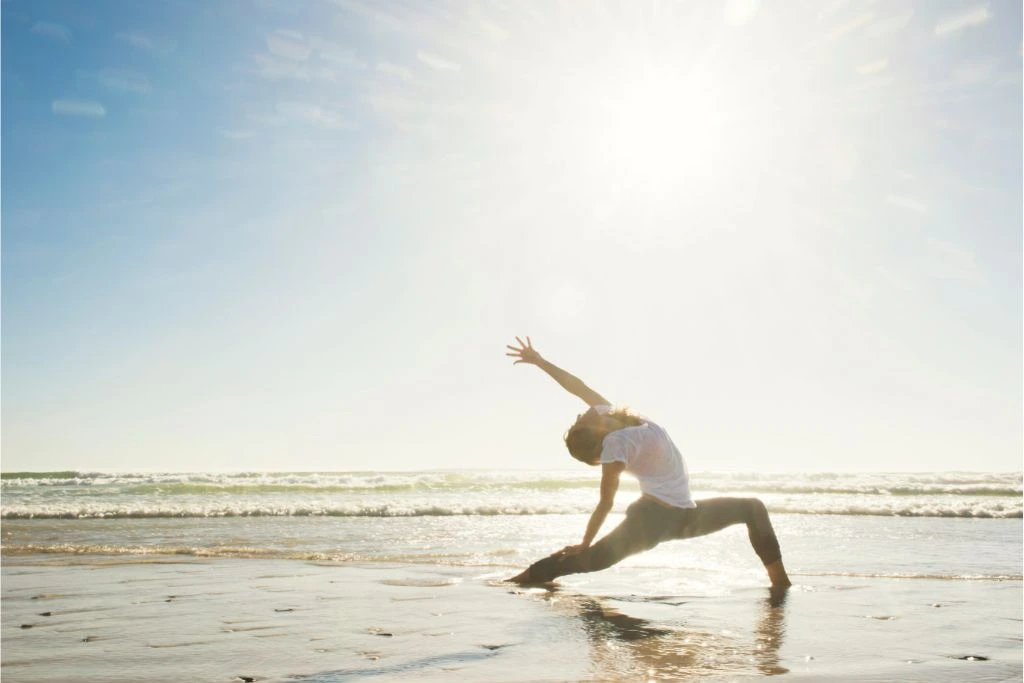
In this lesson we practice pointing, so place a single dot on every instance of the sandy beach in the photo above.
(376, 576)
(91, 618)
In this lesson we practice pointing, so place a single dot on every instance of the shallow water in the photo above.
(827, 545)
(315, 597)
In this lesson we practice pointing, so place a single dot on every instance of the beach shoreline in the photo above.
(123, 618)
(355, 576)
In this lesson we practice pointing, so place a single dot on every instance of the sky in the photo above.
(268, 235)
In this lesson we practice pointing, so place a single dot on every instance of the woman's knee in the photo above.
(756, 509)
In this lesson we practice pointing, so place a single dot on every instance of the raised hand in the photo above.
(525, 353)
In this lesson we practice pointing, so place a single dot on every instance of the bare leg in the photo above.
(714, 514)
(632, 536)
(777, 574)
(647, 524)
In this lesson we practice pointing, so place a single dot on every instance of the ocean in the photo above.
(898, 576)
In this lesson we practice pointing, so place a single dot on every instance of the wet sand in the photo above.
(95, 618)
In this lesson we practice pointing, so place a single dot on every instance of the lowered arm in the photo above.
(610, 473)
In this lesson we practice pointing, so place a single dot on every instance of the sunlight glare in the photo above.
(651, 129)
(562, 300)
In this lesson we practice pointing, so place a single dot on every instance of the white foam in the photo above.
(392, 494)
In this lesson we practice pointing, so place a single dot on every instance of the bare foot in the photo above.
(777, 595)
(521, 577)
(777, 574)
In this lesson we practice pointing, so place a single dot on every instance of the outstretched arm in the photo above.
(525, 353)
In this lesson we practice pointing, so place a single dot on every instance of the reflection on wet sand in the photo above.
(624, 646)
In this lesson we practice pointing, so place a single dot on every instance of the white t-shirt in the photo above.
(652, 458)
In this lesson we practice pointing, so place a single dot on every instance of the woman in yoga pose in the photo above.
(621, 441)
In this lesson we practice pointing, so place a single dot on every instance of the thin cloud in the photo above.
(891, 24)
(373, 13)
(123, 80)
(304, 58)
(358, 8)
(267, 119)
(273, 67)
(952, 261)
(958, 22)
(336, 54)
(52, 31)
(435, 62)
(237, 134)
(141, 41)
(395, 70)
(390, 104)
(874, 67)
(86, 108)
(852, 25)
(491, 30)
(311, 113)
(974, 72)
(289, 45)
(138, 40)
(906, 203)
(155, 114)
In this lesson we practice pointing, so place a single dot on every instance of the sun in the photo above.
(657, 124)
(636, 134)
(647, 131)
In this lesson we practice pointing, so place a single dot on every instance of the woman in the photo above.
(621, 441)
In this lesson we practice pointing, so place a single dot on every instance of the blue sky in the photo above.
(297, 236)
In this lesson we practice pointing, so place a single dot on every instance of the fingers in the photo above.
(524, 352)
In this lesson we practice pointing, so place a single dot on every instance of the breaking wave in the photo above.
(924, 509)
